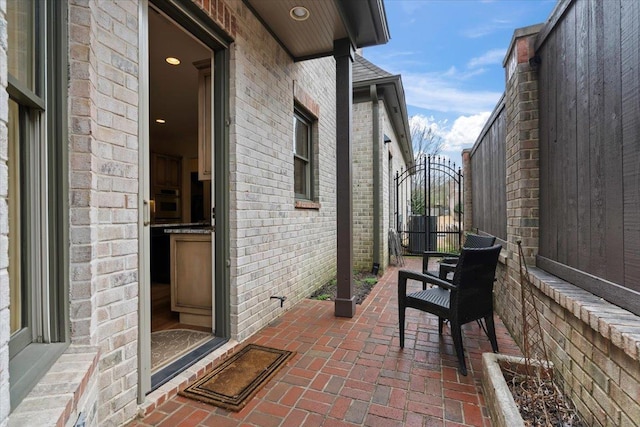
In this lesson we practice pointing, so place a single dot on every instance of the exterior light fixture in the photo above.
(161, 121)
(299, 13)
(173, 61)
(386, 139)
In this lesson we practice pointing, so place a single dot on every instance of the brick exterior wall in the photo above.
(363, 229)
(467, 190)
(389, 170)
(593, 344)
(4, 224)
(362, 153)
(103, 132)
(276, 249)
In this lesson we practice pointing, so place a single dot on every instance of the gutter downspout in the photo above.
(375, 116)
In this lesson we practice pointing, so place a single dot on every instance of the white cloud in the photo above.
(438, 127)
(464, 131)
(492, 57)
(460, 135)
(437, 92)
(486, 29)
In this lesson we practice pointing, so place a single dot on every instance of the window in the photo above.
(303, 155)
(36, 189)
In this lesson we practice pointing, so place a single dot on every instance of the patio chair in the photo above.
(448, 262)
(468, 297)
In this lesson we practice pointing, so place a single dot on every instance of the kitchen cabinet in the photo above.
(204, 120)
(166, 171)
(191, 277)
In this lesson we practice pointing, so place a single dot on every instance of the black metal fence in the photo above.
(428, 206)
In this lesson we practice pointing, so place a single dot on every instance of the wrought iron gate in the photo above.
(428, 206)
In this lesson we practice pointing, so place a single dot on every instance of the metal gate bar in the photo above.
(428, 206)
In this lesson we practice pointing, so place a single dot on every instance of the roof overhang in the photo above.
(391, 90)
(363, 22)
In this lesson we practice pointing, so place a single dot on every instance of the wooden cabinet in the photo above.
(191, 278)
(166, 171)
(204, 120)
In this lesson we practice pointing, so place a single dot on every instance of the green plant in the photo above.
(323, 297)
(371, 281)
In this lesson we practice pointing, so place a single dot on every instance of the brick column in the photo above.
(522, 147)
(467, 189)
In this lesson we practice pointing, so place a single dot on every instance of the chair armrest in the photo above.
(403, 275)
(434, 254)
(440, 254)
(445, 269)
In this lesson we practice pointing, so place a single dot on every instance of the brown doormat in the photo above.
(232, 384)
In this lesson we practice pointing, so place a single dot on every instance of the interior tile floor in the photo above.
(352, 372)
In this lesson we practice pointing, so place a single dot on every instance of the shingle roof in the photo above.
(364, 70)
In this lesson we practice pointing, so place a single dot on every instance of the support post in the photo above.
(345, 304)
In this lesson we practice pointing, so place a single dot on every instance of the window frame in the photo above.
(300, 115)
(43, 198)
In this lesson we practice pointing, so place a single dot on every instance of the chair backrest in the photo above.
(473, 278)
(477, 241)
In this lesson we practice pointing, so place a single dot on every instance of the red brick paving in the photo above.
(352, 372)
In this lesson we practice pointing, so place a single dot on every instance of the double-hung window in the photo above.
(303, 155)
(37, 196)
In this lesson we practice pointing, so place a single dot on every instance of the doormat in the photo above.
(232, 384)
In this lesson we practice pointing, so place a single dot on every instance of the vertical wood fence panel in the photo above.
(589, 87)
(489, 176)
(631, 138)
(582, 129)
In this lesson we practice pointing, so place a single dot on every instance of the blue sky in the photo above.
(449, 53)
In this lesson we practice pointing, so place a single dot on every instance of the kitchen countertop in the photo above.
(192, 230)
(180, 225)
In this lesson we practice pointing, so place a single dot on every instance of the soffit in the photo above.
(362, 21)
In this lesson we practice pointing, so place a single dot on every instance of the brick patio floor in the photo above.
(352, 372)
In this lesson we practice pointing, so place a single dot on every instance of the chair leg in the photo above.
(456, 333)
(401, 311)
(440, 323)
(491, 332)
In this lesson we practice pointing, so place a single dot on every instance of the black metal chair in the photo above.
(449, 260)
(468, 297)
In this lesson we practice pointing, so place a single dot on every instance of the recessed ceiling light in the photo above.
(173, 61)
(161, 121)
(299, 13)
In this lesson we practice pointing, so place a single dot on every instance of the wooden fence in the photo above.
(488, 186)
(588, 67)
(589, 91)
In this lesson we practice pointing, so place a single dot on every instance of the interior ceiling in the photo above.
(173, 90)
